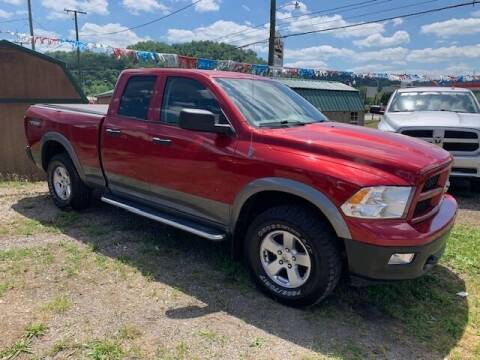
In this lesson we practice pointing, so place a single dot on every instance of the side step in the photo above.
(165, 218)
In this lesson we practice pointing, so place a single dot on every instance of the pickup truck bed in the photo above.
(97, 109)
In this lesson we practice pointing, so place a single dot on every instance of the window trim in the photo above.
(207, 87)
(152, 96)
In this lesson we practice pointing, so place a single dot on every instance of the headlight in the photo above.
(379, 202)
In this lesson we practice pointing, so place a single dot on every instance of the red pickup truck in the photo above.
(230, 156)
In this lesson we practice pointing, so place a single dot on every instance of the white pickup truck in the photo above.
(444, 116)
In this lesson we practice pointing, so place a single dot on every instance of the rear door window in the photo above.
(136, 97)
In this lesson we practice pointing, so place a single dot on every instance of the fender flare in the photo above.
(61, 139)
(310, 194)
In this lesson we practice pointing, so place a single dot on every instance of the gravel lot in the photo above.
(105, 284)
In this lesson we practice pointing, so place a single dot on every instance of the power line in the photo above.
(362, 15)
(12, 20)
(75, 14)
(367, 14)
(147, 23)
(294, 3)
(366, 22)
(354, 6)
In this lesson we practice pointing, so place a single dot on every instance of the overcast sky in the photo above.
(445, 42)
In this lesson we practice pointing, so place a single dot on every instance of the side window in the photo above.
(136, 97)
(183, 93)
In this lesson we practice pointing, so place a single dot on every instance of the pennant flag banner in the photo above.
(187, 62)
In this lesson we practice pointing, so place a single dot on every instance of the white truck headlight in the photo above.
(378, 202)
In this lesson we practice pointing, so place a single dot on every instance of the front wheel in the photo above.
(293, 255)
(65, 185)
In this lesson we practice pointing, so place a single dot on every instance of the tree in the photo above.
(202, 49)
(100, 71)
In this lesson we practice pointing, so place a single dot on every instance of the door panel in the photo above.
(122, 155)
(193, 171)
(190, 170)
(124, 138)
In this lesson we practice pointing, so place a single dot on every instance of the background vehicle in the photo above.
(376, 109)
(233, 156)
(446, 117)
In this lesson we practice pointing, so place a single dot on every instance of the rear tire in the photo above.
(293, 255)
(65, 185)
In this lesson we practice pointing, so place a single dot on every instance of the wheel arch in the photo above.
(54, 143)
(282, 190)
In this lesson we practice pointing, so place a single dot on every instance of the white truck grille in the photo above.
(458, 142)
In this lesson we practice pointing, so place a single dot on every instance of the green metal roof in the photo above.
(333, 100)
(327, 95)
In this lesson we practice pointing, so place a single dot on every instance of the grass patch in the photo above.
(211, 336)
(257, 343)
(4, 287)
(104, 350)
(463, 250)
(22, 346)
(35, 330)
(129, 332)
(373, 124)
(427, 309)
(14, 255)
(58, 305)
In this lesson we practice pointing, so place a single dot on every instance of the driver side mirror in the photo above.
(202, 120)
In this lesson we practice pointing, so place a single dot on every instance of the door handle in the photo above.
(161, 141)
(113, 132)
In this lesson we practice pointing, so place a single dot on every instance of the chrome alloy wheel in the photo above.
(61, 183)
(285, 259)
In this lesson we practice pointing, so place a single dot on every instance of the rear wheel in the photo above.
(65, 185)
(293, 256)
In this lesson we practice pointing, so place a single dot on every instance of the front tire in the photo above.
(293, 255)
(65, 185)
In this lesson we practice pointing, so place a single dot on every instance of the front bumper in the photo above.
(369, 259)
(466, 166)
(370, 262)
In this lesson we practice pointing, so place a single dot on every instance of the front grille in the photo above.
(422, 208)
(419, 133)
(453, 140)
(431, 183)
(453, 134)
(430, 195)
(454, 146)
(464, 170)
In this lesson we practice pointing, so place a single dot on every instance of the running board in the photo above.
(164, 218)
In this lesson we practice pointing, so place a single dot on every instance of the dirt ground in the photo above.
(105, 284)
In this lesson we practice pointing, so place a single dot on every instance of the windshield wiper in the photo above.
(283, 123)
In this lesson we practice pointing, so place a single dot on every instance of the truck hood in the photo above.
(363, 148)
(432, 119)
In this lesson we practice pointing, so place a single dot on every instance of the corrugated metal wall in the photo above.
(333, 100)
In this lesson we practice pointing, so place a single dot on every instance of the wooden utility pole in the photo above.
(271, 41)
(30, 22)
(75, 13)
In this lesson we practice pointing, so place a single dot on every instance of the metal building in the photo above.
(339, 102)
(27, 77)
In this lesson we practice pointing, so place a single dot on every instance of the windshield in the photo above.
(267, 103)
(434, 101)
